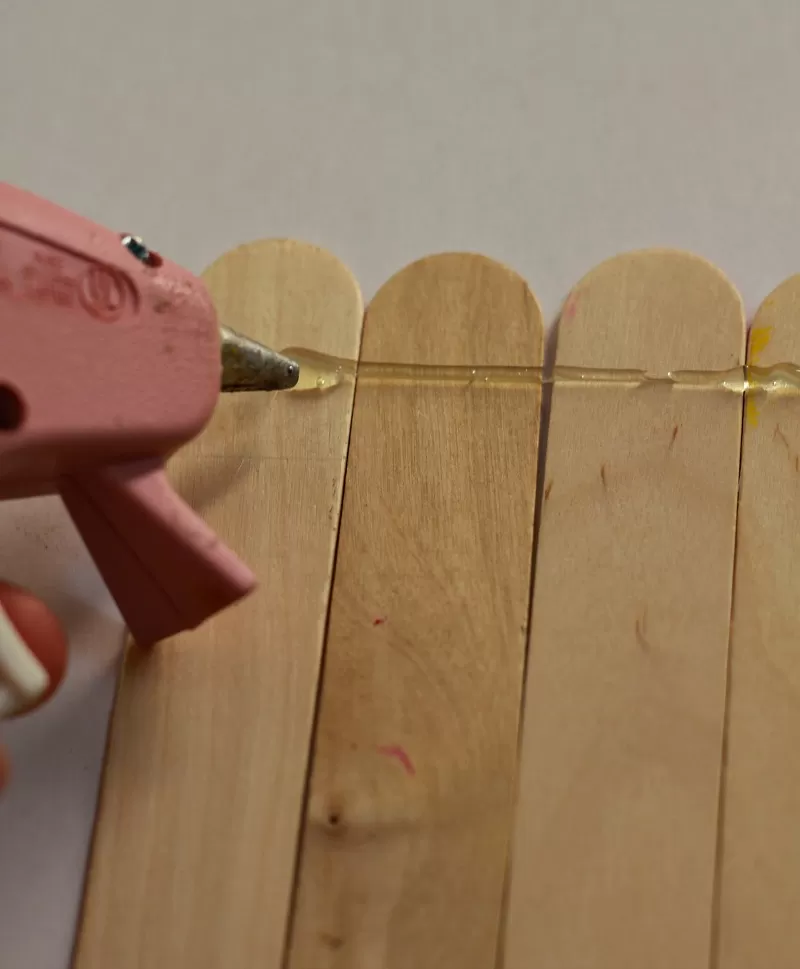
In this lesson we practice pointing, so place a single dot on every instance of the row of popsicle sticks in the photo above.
(424, 797)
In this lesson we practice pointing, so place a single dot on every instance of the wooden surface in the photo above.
(405, 844)
(759, 867)
(196, 837)
(614, 848)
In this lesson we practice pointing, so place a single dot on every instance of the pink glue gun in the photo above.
(111, 358)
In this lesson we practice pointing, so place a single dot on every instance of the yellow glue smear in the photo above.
(759, 338)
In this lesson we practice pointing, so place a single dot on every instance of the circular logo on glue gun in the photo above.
(101, 292)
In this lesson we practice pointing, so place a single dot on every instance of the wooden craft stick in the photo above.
(196, 837)
(405, 845)
(759, 863)
(613, 858)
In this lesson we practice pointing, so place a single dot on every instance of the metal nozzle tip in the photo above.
(247, 365)
(292, 374)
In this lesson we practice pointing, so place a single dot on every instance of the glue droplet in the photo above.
(318, 371)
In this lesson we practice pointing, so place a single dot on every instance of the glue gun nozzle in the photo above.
(247, 365)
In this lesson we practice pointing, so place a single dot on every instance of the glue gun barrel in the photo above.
(247, 365)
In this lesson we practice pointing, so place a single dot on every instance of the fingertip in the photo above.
(38, 625)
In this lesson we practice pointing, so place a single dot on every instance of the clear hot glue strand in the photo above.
(320, 372)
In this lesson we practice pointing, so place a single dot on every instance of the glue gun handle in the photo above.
(164, 567)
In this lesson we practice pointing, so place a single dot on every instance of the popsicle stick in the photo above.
(613, 857)
(759, 863)
(407, 831)
(196, 836)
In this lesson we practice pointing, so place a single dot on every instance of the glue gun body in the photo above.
(110, 362)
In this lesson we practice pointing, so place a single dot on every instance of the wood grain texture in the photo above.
(405, 845)
(197, 830)
(613, 858)
(759, 865)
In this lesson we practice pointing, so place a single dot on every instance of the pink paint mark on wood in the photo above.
(399, 753)
(570, 307)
